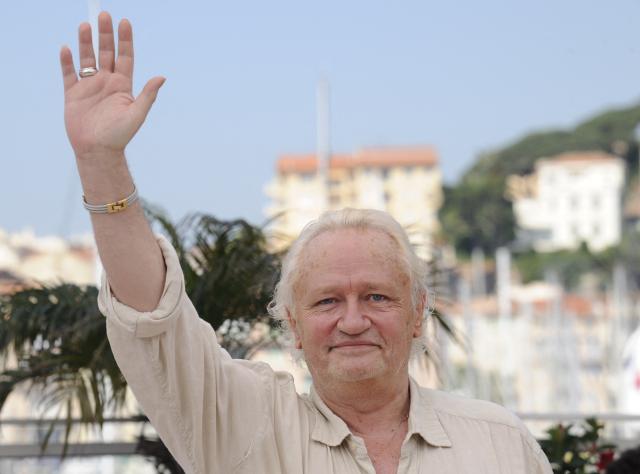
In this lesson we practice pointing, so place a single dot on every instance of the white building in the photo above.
(29, 260)
(569, 199)
(406, 182)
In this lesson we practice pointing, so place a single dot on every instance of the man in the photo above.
(351, 292)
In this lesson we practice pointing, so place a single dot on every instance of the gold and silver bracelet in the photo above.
(111, 207)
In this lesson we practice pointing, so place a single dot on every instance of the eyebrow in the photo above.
(370, 285)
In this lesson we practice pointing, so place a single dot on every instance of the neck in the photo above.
(370, 406)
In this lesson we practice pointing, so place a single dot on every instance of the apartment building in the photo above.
(406, 182)
(570, 198)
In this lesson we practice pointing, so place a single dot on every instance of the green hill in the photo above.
(476, 213)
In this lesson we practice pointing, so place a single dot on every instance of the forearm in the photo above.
(189, 387)
(126, 245)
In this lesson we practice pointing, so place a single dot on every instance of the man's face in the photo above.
(353, 315)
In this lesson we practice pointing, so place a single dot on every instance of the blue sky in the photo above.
(241, 79)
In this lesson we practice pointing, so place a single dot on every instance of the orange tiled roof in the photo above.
(488, 306)
(375, 157)
(308, 163)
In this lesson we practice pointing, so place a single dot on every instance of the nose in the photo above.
(353, 321)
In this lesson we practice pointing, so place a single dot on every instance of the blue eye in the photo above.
(326, 301)
(378, 298)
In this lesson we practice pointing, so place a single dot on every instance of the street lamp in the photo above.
(636, 136)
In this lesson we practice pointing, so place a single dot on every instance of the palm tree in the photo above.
(58, 339)
(229, 273)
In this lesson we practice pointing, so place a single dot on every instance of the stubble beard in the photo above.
(354, 370)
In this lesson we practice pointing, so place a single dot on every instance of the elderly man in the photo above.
(351, 292)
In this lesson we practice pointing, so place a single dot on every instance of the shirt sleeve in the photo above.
(535, 459)
(207, 408)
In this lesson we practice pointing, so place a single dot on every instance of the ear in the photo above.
(293, 324)
(419, 315)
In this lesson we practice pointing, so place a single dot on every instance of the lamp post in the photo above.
(636, 136)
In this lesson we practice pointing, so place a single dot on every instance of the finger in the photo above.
(124, 63)
(107, 49)
(87, 57)
(147, 97)
(69, 77)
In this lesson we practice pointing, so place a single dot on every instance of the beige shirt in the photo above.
(220, 415)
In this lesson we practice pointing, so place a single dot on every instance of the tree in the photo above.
(611, 131)
(476, 214)
(58, 340)
(229, 273)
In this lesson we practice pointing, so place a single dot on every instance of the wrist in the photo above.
(99, 157)
(111, 207)
(105, 178)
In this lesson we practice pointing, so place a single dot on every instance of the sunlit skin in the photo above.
(354, 316)
(355, 321)
(101, 116)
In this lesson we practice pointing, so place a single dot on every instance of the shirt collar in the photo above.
(331, 430)
(423, 419)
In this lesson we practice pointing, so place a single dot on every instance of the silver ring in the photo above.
(88, 71)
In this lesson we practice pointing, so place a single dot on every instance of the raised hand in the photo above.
(101, 115)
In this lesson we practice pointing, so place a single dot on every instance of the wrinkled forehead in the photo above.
(341, 245)
(378, 240)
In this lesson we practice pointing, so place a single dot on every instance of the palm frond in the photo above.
(229, 272)
(57, 338)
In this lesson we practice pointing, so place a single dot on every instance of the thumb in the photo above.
(147, 97)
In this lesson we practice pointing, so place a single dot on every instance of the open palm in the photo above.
(101, 114)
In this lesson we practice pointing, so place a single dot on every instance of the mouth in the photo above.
(355, 345)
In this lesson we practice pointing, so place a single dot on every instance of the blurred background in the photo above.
(504, 137)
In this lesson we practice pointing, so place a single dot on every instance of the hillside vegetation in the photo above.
(476, 212)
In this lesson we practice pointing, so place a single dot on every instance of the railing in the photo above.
(558, 417)
(609, 436)
(55, 449)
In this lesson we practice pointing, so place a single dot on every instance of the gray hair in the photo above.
(348, 218)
